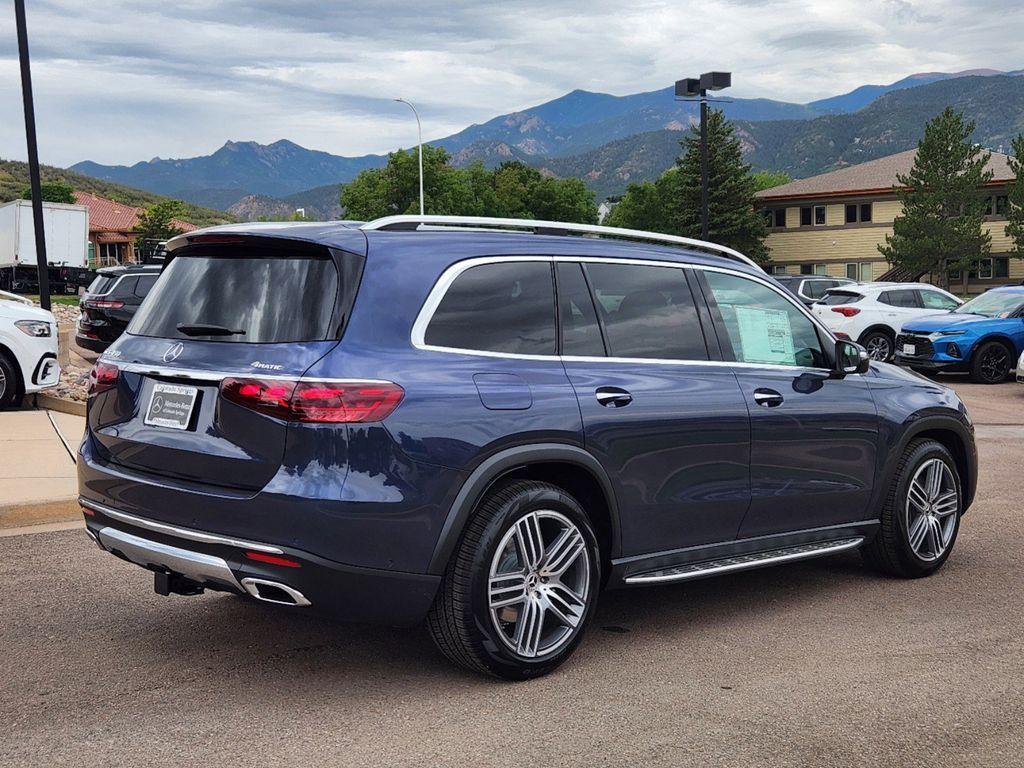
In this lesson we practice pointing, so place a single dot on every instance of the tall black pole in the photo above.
(33, 154)
(703, 164)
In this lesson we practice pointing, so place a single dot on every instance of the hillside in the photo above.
(14, 179)
(892, 123)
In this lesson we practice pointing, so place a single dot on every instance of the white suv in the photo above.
(28, 349)
(873, 313)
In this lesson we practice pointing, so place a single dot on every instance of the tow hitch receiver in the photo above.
(166, 583)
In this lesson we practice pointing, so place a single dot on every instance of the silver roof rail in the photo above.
(421, 223)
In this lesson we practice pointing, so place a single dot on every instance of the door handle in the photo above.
(613, 397)
(768, 398)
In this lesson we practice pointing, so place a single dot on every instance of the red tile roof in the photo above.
(109, 216)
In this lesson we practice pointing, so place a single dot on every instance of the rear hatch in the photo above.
(254, 313)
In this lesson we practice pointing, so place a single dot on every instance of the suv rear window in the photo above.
(835, 298)
(262, 299)
(101, 284)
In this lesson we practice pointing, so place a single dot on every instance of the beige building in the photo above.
(832, 224)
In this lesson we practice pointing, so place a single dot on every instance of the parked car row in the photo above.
(110, 302)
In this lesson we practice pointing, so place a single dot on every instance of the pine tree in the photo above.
(1015, 208)
(944, 206)
(732, 218)
(671, 204)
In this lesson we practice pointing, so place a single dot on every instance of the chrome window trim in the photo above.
(444, 282)
(181, 533)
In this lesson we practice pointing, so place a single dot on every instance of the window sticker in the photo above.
(766, 336)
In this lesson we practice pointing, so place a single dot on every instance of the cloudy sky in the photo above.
(126, 80)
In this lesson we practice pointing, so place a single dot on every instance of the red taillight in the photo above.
(285, 562)
(846, 311)
(318, 402)
(92, 303)
(102, 377)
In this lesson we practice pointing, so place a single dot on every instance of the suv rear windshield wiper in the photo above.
(202, 329)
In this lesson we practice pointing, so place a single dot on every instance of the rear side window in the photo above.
(901, 298)
(647, 312)
(835, 298)
(126, 287)
(144, 285)
(507, 307)
(250, 299)
(815, 289)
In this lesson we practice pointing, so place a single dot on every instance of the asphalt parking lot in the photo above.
(822, 664)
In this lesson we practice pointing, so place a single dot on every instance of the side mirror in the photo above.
(850, 358)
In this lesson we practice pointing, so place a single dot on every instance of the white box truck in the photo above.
(67, 246)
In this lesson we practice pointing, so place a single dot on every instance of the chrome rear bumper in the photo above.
(197, 566)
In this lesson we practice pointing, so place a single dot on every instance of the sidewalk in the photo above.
(37, 467)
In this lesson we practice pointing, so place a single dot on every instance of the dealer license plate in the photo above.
(909, 349)
(171, 406)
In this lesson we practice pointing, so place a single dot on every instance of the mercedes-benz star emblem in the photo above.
(173, 352)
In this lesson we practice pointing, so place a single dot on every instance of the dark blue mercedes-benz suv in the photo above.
(482, 423)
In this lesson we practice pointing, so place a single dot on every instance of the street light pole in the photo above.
(698, 87)
(33, 154)
(419, 131)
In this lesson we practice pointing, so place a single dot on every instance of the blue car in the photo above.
(481, 424)
(985, 336)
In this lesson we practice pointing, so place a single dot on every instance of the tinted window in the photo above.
(581, 334)
(101, 284)
(647, 312)
(267, 299)
(904, 298)
(144, 285)
(936, 300)
(762, 325)
(815, 289)
(498, 308)
(835, 298)
(126, 287)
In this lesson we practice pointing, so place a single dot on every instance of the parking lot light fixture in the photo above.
(419, 131)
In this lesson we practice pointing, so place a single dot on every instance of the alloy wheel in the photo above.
(539, 583)
(879, 348)
(995, 363)
(3, 384)
(931, 509)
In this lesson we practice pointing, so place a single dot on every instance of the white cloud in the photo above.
(129, 80)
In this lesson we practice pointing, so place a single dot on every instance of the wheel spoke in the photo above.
(563, 553)
(934, 537)
(507, 589)
(565, 604)
(530, 541)
(918, 530)
(934, 480)
(918, 495)
(946, 504)
(529, 628)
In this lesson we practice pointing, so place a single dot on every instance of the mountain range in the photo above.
(607, 140)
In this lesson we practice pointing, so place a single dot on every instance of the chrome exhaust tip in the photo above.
(274, 592)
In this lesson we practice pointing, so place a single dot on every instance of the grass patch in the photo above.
(71, 301)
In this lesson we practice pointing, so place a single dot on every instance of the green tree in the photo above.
(52, 192)
(157, 221)
(511, 190)
(769, 179)
(671, 204)
(1015, 194)
(940, 228)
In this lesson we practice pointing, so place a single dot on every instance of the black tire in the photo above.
(881, 345)
(891, 551)
(9, 390)
(991, 363)
(461, 621)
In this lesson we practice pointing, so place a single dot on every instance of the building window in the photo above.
(861, 272)
(814, 269)
(858, 213)
(819, 215)
(766, 214)
(999, 206)
(805, 216)
(851, 213)
(780, 217)
(1001, 267)
(778, 269)
(997, 267)
(865, 212)
(774, 218)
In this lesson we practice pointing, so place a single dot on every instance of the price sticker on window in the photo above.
(766, 336)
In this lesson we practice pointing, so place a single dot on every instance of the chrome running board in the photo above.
(745, 562)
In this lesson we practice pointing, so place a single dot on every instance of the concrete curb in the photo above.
(56, 511)
(51, 403)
